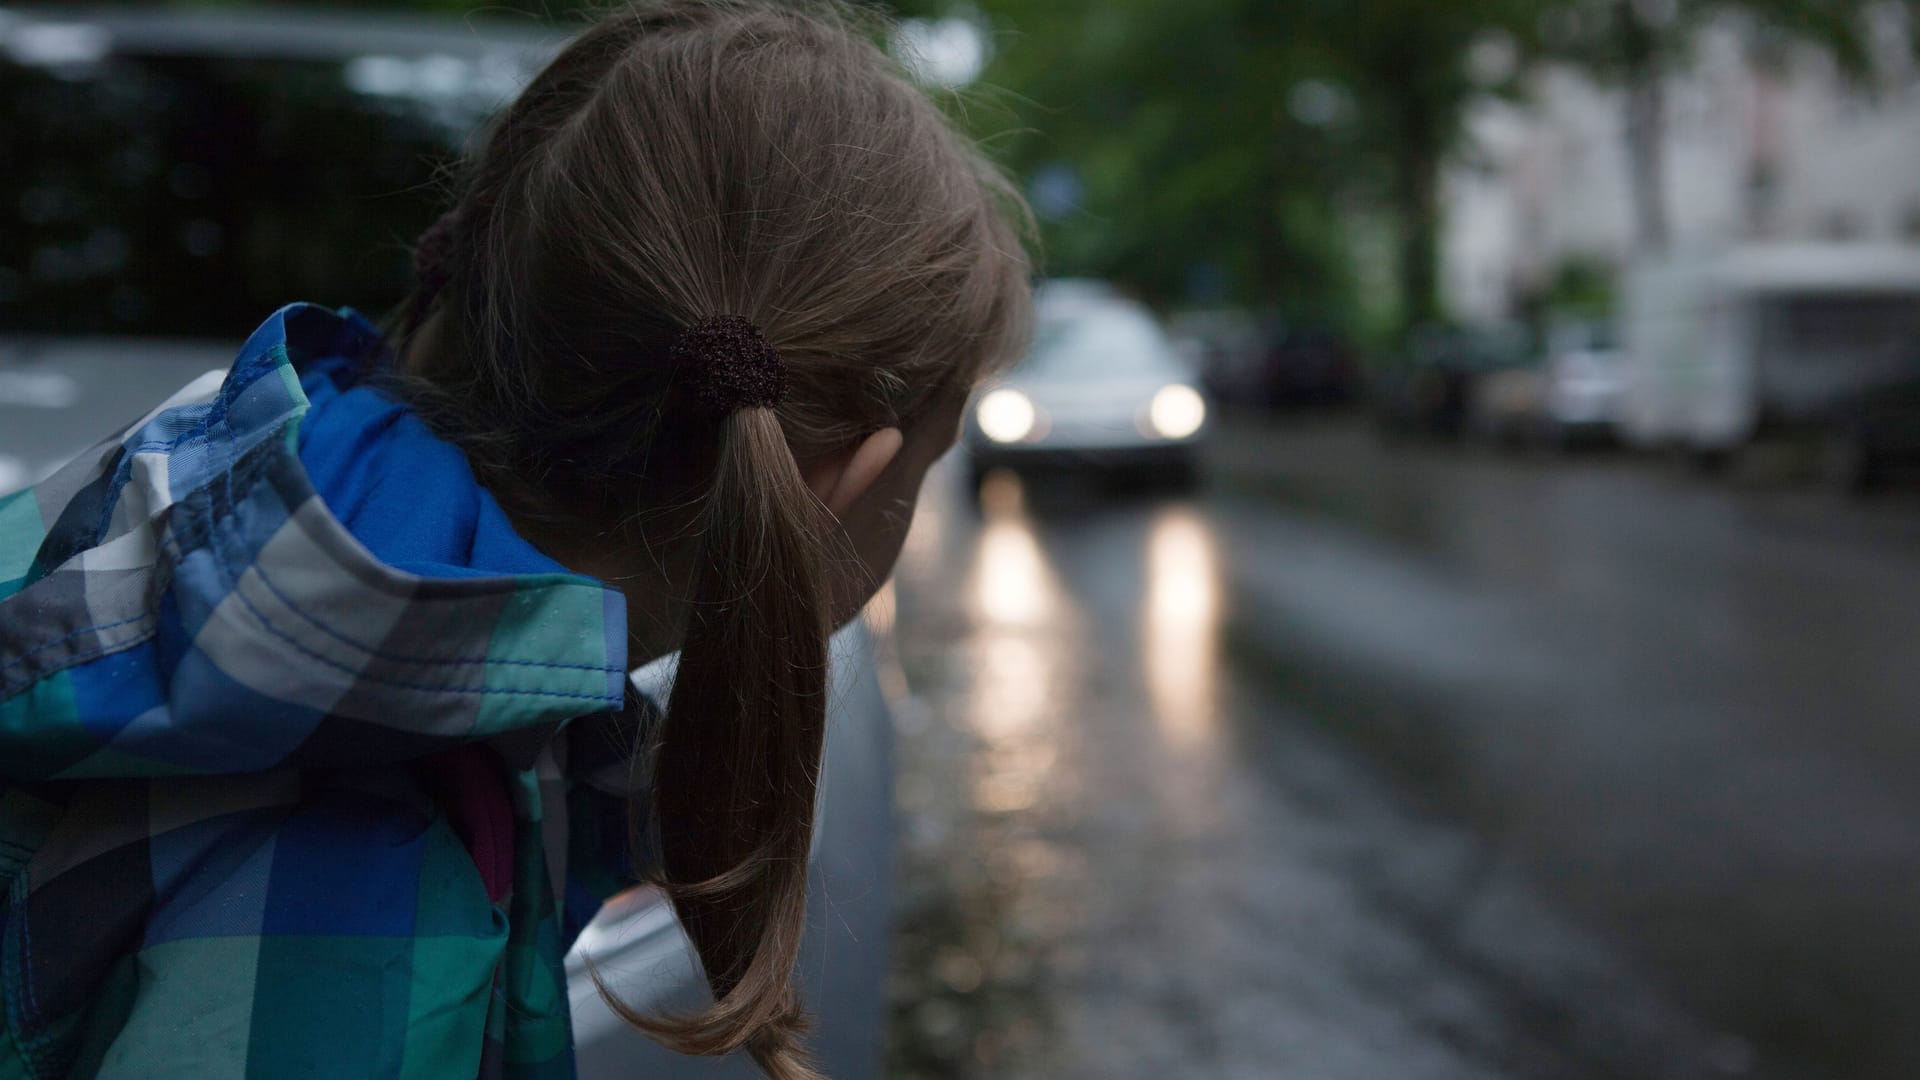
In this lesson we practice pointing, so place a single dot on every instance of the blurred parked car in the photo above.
(1222, 347)
(1430, 390)
(1272, 364)
(1103, 388)
(171, 178)
(1761, 341)
(1306, 366)
(1570, 395)
(1873, 433)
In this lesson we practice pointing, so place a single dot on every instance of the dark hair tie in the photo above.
(733, 364)
(433, 252)
(432, 262)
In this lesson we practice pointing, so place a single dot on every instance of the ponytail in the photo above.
(738, 763)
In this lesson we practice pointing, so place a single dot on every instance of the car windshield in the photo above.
(1099, 339)
(184, 195)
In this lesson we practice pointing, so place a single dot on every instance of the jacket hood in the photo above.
(283, 566)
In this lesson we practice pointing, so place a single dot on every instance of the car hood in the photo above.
(1128, 390)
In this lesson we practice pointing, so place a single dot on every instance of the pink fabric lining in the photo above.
(468, 784)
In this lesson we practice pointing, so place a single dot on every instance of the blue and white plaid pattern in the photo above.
(217, 855)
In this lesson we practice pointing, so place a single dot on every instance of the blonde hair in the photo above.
(681, 160)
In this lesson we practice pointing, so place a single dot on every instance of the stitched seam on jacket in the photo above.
(260, 572)
(17, 909)
(79, 658)
(63, 639)
(363, 674)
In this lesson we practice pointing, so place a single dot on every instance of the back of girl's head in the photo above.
(684, 160)
(690, 158)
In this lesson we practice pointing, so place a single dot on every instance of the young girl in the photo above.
(315, 744)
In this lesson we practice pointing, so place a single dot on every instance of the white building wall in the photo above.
(1549, 181)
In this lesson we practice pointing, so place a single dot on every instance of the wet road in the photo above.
(1373, 762)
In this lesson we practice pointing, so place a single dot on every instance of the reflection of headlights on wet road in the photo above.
(1005, 415)
(1177, 411)
(1178, 641)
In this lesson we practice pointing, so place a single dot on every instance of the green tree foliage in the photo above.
(1172, 120)
(1417, 68)
(1240, 141)
(556, 10)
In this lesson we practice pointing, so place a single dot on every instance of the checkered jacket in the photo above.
(233, 839)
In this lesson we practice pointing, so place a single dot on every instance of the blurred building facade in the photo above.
(1784, 151)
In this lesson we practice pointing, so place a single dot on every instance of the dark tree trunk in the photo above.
(1646, 127)
(1271, 255)
(1646, 158)
(1416, 162)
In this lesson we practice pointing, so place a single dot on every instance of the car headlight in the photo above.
(1177, 411)
(1005, 415)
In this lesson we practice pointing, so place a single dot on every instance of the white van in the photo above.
(1724, 348)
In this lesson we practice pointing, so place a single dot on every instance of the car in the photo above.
(1270, 363)
(1430, 389)
(1224, 347)
(1569, 396)
(173, 177)
(1873, 433)
(1308, 366)
(1102, 390)
(1586, 383)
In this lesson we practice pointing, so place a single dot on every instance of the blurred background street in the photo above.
(1439, 597)
(1369, 762)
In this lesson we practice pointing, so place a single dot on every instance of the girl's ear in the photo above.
(840, 480)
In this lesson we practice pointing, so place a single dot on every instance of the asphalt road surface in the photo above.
(1380, 761)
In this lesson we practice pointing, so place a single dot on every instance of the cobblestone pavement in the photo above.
(1129, 852)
